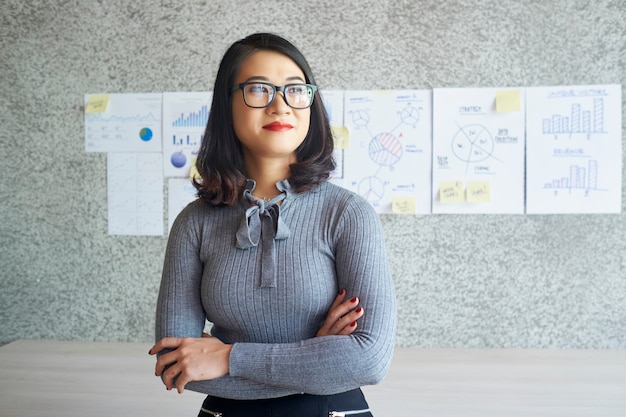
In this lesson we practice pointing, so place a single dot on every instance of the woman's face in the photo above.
(275, 131)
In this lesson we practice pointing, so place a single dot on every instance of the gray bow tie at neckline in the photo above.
(262, 223)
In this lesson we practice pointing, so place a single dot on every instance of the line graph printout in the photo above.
(184, 119)
(333, 102)
(574, 149)
(128, 123)
(478, 150)
(388, 160)
(181, 192)
(135, 193)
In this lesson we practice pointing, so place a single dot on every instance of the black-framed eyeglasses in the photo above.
(259, 94)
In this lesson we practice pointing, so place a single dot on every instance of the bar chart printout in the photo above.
(579, 177)
(184, 119)
(577, 121)
(574, 151)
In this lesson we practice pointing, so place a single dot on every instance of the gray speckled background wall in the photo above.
(462, 280)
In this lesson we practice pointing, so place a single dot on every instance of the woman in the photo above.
(280, 261)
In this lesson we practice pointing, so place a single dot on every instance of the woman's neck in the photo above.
(266, 173)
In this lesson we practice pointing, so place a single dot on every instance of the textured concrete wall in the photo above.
(462, 280)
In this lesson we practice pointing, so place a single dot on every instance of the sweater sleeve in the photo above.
(179, 311)
(332, 364)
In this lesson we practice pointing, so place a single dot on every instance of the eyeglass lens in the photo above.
(298, 96)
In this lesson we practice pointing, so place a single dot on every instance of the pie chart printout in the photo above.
(385, 149)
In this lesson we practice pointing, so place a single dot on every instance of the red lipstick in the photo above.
(278, 126)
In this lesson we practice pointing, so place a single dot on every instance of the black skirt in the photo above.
(348, 404)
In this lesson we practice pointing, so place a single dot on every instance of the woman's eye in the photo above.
(258, 89)
(296, 89)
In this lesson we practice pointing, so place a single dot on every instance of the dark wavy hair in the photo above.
(220, 162)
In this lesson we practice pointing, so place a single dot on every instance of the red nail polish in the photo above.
(353, 324)
(353, 300)
(342, 292)
(358, 310)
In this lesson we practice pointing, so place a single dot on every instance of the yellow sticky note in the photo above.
(97, 103)
(341, 137)
(193, 171)
(507, 101)
(451, 192)
(478, 192)
(403, 205)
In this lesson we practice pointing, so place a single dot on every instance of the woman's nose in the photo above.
(279, 105)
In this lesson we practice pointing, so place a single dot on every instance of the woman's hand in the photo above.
(192, 359)
(342, 316)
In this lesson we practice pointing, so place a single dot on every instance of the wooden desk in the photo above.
(66, 379)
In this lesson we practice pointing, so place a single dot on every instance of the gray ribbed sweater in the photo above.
(269, 299)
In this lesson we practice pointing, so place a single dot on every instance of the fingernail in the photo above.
(353, 324)
(358, 310)
(342, 292)
(353, 299)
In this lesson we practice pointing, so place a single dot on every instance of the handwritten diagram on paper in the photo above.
(184, 120)
(574, 149)
(135, 194)
(123, 122)
(478, 151)
(388, 160)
